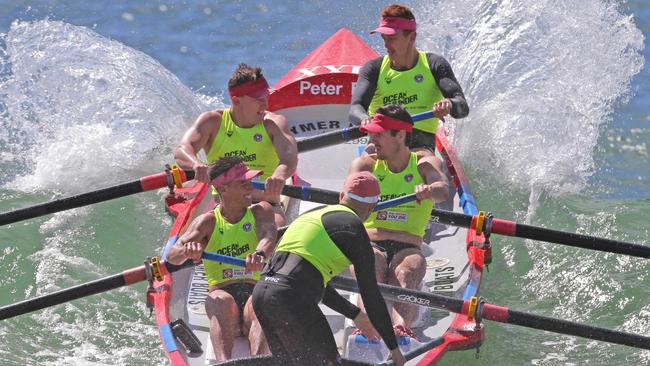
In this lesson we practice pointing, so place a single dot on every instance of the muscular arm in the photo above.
(266, 230)
(448, 85)
(199, 233)
(348, 233)
(430, 168)
(284, 143)
(199, 136)
(364, 90)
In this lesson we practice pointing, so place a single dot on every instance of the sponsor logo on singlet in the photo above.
(400, 98)
(392, 216)
(241, 154)
(234, 250)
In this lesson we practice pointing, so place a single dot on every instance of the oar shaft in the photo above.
(346, 134)
(510, 228)
(127, 277)
(141, 185)
(505, 315)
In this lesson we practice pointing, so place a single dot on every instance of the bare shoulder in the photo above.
(272, 119)
(365, 162)
(263, 211)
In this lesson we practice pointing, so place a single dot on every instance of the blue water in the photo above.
(96, 94)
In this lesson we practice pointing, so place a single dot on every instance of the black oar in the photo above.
(128, 277)
(498, 226)
(143, 184)
(484, 310)
(346, 134)
(500, 314)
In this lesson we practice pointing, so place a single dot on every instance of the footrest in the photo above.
(186, 337)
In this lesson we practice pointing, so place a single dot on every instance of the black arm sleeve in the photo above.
(448, 85)
(347, 232)
(338, 303)
(364, 91)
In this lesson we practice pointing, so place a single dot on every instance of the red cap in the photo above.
(381, 123)
(362, 187)
(257, 88)
(237, 172)
(391, 25)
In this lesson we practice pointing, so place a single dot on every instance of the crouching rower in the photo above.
(237, 229)
(317, 246)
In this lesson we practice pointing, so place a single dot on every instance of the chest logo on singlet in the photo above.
(229, 133)
(233, 273)
(388, 79)
(419, 78)
(381, 177)
(408, 177)
(257, 137)
(247, 226)
(392, 216)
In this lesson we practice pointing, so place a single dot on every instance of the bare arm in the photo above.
(267, 232)
(437, 184)
(363, 163)
(199, 136)
(192, 243)
(287, 149)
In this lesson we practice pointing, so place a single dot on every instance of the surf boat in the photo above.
(315, 97)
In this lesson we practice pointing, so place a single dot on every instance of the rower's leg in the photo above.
(407, 269)
(223, 313)
(253, 329)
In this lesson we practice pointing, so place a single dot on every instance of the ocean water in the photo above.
(97, 94)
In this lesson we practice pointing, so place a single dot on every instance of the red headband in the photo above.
(392, 25)
(237, 172)
(381, 123)
(255, 88)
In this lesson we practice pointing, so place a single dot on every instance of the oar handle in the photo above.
(346, 134)
(224, 259)
(143, 184)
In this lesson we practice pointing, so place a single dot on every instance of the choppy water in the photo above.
(93, 95)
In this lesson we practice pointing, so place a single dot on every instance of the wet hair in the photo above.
(243, 74)
(398, 11)
(220, 166)
(397, 112)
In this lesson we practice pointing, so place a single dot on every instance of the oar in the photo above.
(497, 226)
(125, 278)
(346, 134)
(141, 185)
(500, 314)
(328, 197)
(485, 311)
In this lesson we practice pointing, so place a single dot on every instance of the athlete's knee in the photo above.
(219, 301)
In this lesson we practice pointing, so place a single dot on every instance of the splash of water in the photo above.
(541, 78)
(78, 109)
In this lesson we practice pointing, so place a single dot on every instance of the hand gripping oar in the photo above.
(477, 309)
(173, 177)
(346, 134)
(488, 224)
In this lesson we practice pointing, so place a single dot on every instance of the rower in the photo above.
(417, 80)
(260, 138)
(237, 229)
(317, 246)
(397, 232)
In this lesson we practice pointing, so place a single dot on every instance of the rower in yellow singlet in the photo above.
(397, 232)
